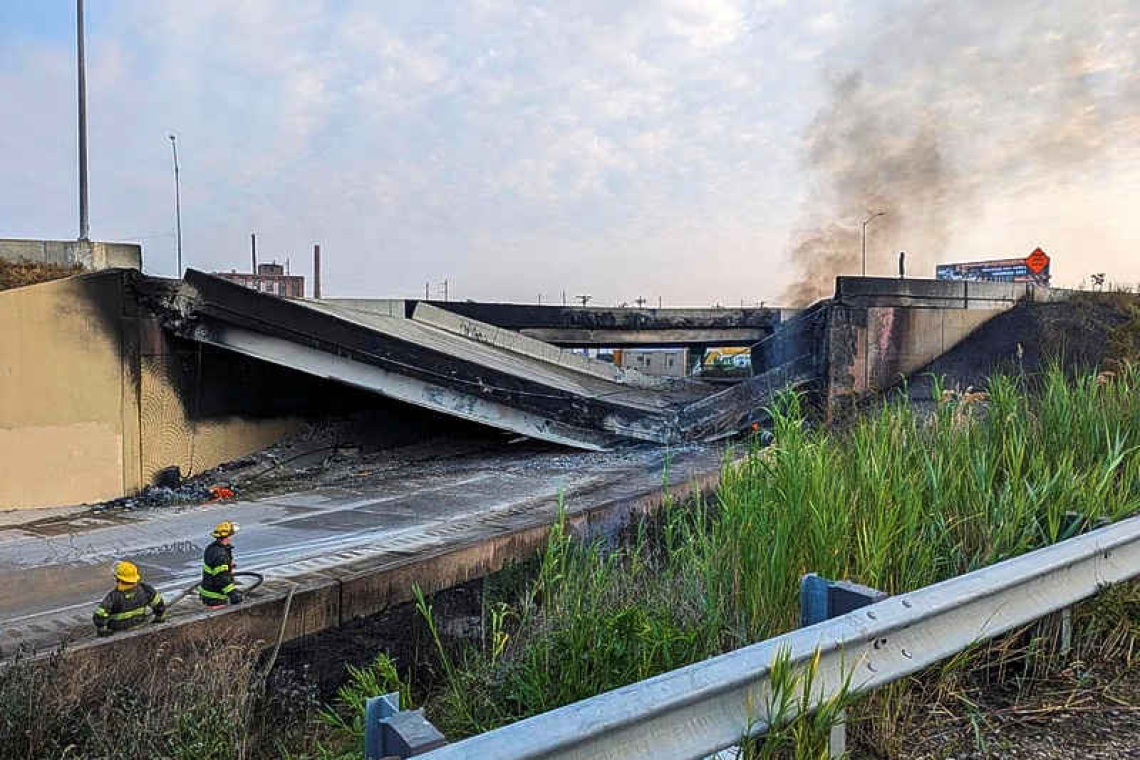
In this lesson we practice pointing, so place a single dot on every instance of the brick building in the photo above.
(270, 278)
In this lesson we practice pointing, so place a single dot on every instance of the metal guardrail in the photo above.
(697, 710)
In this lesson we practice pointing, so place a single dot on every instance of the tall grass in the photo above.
(201, 700)
(196, 704)
(899, 500)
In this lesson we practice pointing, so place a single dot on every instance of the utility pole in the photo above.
(427, 291)
(584, 299)
(640, 302)
(316, 271)
(865, 223)
(563, 297)
(84, 226)
(253, 252)
(178, 203)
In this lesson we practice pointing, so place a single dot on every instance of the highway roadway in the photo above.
(54, 570)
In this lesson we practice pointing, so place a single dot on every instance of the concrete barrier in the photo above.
(518, 343)
(90, 254)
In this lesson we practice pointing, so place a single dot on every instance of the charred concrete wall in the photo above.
(800, 340)
(68, 407)
(877, 331)
(881, 330)
(940, 294)
(873, 348)
(201, 407)
(95, 398)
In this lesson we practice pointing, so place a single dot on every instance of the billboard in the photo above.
(1033, 268)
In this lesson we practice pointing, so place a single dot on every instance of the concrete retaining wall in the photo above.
(871, 349)
(94, 399)
(92, 255)
(68, 408)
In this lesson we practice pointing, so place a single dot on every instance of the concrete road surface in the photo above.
(54, 570)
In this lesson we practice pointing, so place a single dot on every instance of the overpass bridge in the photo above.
(616, 327)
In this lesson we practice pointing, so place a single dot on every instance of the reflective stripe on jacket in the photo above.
(217, 574)
(126, 608)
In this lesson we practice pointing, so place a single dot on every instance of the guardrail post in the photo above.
(376, 709)
(391, 732)
(821, 599)
(1073, 524)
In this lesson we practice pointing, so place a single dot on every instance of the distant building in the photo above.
(666, 362)
(270, 278)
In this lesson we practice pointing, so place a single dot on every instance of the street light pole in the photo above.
(177, 203)
(865, 223)
(84, 227)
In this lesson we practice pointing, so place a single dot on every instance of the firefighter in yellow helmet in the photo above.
(218, 588)
(126, 606)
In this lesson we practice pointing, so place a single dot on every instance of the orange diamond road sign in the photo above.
(1037, 261)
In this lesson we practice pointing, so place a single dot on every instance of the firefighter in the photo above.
(126, 606)
(218, 587)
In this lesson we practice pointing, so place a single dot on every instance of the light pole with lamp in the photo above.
(84, 226)
(865, 223)
(177, 204)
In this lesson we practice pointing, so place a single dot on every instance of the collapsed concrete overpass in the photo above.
(133, 374)
(335, 555)
(435, 360)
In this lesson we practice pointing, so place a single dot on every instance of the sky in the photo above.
(693, 151)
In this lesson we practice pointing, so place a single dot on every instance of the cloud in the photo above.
(645, 148)
(945, 122)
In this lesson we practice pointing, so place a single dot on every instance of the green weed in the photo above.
(897, 500)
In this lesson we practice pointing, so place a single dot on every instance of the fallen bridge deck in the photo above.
(423, 364)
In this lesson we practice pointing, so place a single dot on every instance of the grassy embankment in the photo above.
(897, 500)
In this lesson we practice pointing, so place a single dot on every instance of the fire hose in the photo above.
(258, 579)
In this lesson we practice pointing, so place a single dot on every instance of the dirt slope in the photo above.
(1085, 332)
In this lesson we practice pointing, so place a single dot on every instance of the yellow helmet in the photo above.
(223, 529)
(126, 572)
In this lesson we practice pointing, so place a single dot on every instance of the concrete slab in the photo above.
(519, 343)
(424, 365)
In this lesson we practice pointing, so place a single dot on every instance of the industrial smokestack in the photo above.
(316, 271)
(253, 251)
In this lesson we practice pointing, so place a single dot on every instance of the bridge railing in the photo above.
(701, 709)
